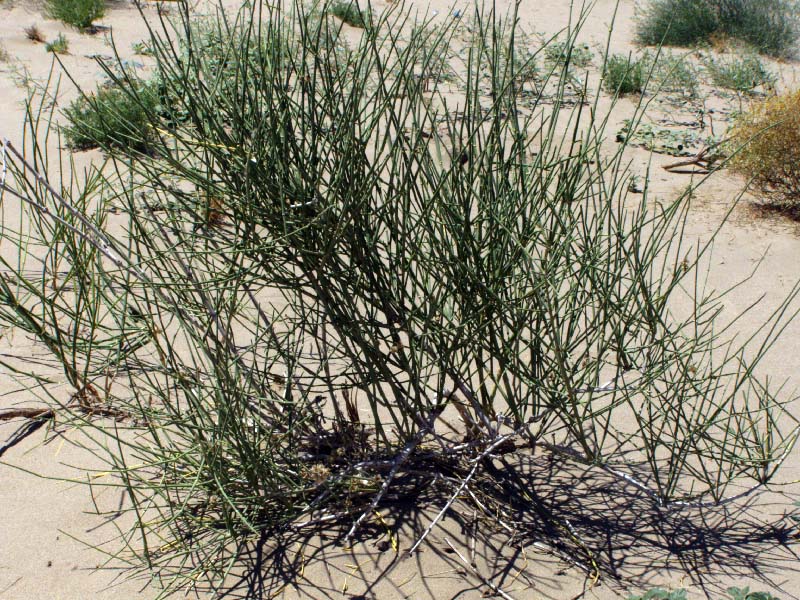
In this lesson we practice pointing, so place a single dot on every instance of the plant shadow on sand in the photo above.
(565, 522)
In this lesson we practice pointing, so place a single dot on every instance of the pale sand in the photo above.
(40, 559)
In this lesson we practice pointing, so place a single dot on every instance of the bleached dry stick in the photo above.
(475, 571)
(475, 464)
(397, 463)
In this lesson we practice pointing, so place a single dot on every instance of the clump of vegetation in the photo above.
(660, 594)
(349, 294)
(676, 74)
(771, 26)
(60, 45)
(734, 593)
(142, 48)
(79, 13)
(113, 117)
(34, 34)
(737, 593)
(743, 74)
(767, 138)
(432, 62)
(625, 74)
(663, 72)
(348, 11)
(5, 56)
(661, 140)
(676, 22)
(568, 53)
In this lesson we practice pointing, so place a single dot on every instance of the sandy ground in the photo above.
(48, 523)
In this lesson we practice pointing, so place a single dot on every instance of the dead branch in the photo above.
(704, 160)
(475, 572)
(26, 413)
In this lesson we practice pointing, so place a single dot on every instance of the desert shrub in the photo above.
(113, 117)
(348, 11)
(60, 45)
(675, 74)
(568, 52)
(767, 138)
(5, 56)
(625, 74)
(676, 22)
(79, 13)
(660, 72)
(771, 26)
(740, 73)
(336, 294)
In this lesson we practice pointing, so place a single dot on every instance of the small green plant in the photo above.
(675, 74)
(742, 74)
(60, 45)
(661, 594)
(520, 58)
(661, 140)
(113, 117)
(625, 75)
(349, 13)
(745, 594)
(4, 55)
(79, 13)
(771, 26)
(734, 593)
(142, 48)
(34, 34)
(563, 53)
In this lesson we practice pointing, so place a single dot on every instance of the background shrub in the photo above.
(80, 13)
(676, 74)
(113, 117)
(568, 52)
(349, 13)
(768, 139)
(666, 73)
(771, 26)
(676, 22)
(625, 75)
(741, 74)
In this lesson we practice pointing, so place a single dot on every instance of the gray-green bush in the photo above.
(349, 12)
(79, 13)
(114, 116)
(333, 293)
(740, 73)
(769, 25)
(625, 74)
(676, 22)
